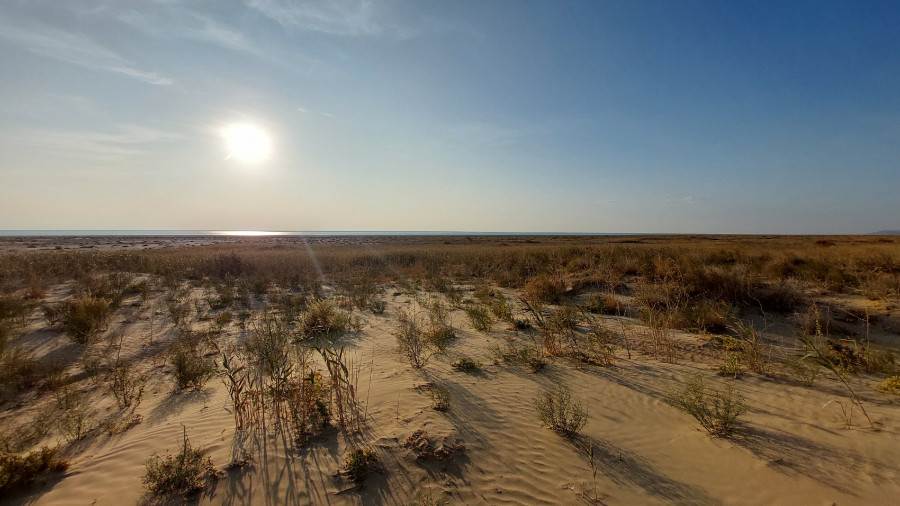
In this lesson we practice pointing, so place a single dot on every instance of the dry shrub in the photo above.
(545, 289)
(20, 371)
(180, 475)
(323, 318)
(411, 342)
(125, 384)
(81, 318)
(559, 411)
(15, 309)
(18, 473)
(717, 411)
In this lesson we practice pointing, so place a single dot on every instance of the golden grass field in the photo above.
(450, 370)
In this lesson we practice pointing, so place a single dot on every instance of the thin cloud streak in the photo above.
(75, 49)
(129, 142)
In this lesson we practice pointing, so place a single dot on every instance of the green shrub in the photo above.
(466, 364)
(732, 366)
(527, 356)
(804, 370)
(717, 411)
(480, 316)
(423, 498)
(20, 472)
(357, 463)
(890, 385)
(192, 369)
(183, 474)
(559, 411)
(440, 397)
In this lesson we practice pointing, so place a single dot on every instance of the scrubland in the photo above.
(450, 370)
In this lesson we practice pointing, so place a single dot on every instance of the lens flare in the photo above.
(247, 143)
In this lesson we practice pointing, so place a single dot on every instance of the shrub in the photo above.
(183, 474)
(732, 366)
(411, 341)
(20, 472)
(322, 317)
(440, 397)
(546, 289)
(19, 371)
(125, 384)
(466, 364)
(717, 411)
(14, 308)
(805, 371)
(559, 411)
(84, 317)
(423, 498)
(189, 365)
(378, 306)
(890, 385)
(73, 415)
(528, 356)
(480, 316)
(357, 463)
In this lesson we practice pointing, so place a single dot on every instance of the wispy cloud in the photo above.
(336, 17)
(126, 143)
(74, 49)
(486, 134)
(178, 22)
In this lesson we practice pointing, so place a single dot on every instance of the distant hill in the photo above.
(887, 232)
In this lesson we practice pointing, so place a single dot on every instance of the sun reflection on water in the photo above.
(247, 233)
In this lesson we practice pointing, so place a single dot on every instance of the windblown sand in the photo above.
(793, 448)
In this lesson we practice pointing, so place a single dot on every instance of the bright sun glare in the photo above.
(247, 143)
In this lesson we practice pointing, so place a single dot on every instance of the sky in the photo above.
(457, 115)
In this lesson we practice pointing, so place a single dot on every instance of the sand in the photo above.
(792, 449)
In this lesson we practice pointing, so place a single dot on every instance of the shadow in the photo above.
(176, 402)
(796, 455)
(34, 493)
(625, 467)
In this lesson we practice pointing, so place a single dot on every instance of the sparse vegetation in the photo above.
(717, 411)
(890, 385)
(440, 397)
(357, 463)
(180, 475)
(558, 410)
(466, 364)
(190, 365)
(18, 473)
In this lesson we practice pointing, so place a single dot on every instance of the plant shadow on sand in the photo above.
(625, 467)
(176, 402)
(798, 455)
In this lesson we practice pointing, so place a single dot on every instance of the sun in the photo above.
(247, 143)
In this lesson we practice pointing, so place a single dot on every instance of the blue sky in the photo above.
(586, 116)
